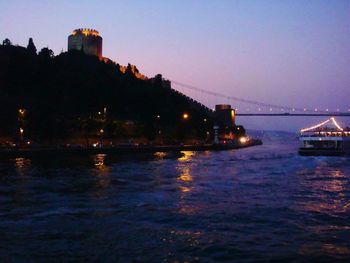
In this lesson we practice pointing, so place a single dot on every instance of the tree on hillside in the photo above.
(131, 69)
(6, 42)
(46, 53)
(31, 47)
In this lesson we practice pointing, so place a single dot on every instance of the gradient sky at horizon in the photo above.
(294, 53)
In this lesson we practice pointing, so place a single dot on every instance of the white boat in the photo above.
(325, 138)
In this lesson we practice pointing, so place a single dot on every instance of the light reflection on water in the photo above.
(187, 155)
(256, 204)
(102, 172)
(160, 155)
(333, 250)
(99, 162)
(22, 165)
(329, 184)
(184, 180)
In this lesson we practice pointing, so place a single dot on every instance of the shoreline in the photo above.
(29, 152)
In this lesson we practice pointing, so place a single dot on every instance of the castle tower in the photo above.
(87, 39)
(225, 115)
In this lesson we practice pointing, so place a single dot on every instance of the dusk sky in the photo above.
(294, 53)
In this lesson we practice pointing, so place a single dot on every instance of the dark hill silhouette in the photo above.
(65, 96)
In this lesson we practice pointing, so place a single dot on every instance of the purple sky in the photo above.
(294, 53)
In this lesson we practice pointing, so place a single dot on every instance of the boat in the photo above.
(327, 138)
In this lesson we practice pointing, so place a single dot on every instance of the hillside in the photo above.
(76, 95)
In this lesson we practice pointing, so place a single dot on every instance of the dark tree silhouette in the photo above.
(31, 47)
(46, 53)
(6, 42)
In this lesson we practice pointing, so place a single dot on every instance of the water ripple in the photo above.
(257, 204)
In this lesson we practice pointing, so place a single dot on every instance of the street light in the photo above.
(101, 137)
(21, 112)
(185, 116)
(21, 131)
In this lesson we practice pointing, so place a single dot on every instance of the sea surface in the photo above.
(259, 204)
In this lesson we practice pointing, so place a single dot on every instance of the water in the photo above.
(258, 204)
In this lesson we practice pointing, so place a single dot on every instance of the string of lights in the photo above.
(321, 124)
(315, 126)
(336, 124)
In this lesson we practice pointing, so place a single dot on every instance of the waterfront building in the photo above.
(224, 117)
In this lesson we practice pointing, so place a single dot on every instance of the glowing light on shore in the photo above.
(243, 140)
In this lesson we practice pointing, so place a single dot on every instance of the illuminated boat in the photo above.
(323, 139)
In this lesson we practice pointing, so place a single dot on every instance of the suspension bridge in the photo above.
(245, 107)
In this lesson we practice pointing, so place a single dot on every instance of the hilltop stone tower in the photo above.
(86, 39)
